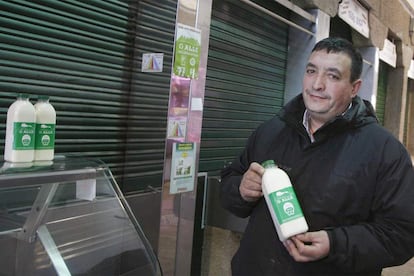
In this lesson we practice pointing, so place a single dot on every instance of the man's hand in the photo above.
(307, 247)
(251, 184)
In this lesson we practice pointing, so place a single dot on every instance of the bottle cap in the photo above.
(268, 164)
(23, 96)
(43, 97)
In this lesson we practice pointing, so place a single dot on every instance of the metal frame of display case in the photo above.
(46, 180)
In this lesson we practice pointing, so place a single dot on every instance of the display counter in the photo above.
(68, 217)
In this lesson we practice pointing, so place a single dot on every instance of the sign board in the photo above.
(353, 13)
(187, 51)
(410, 72)
(388, 54)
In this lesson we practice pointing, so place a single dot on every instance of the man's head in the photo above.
(340, 45)
(331, 80)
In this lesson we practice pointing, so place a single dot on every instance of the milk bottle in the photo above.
(20, 131)
(45, 129)
(282, 202)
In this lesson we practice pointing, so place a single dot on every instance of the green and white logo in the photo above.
(286, 205)
(24, 136)
(45, 136)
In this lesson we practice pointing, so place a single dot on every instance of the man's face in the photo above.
(327, 86)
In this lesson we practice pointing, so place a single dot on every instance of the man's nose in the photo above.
(319, 82)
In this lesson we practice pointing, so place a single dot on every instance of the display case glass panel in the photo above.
(68, 217)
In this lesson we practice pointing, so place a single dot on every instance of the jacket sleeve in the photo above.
(231, 177)
(387, 238)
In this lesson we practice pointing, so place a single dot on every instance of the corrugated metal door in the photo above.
(148, 100)
(381, 92)
(245, 77)
(86, 56)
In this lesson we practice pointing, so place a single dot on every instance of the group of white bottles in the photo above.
(281, 200)
(30, 130)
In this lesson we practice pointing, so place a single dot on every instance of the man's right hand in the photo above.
(251, 184)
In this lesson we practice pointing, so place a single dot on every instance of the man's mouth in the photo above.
(316, 96)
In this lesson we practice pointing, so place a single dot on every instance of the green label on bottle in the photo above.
(45, 136)
(24, 136)
(286, 205)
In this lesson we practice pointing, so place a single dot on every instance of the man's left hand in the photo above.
(307, 247)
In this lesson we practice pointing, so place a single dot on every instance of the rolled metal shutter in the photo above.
(86, 56)
(148, 103)
(381, 92)
(245, 77)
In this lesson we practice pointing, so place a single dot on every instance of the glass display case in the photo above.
(68, 217)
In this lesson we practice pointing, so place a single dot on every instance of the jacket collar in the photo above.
(359, 114)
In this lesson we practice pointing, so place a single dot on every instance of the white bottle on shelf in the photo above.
(45, 129)
(20, 131)
(281, 200)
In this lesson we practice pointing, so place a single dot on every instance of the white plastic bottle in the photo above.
(282, 202)
(45, 129)
(20, 131)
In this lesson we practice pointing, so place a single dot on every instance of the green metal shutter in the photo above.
(381, 92)
(245, 78)
(148, 108)
(82, 54)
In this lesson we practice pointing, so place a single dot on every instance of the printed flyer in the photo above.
(182, 167)
(177, 128)
(152, 62)
(187, 52)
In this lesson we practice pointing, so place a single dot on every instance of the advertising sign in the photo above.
(183, 167)
(152, 62)
(353, 13)
(187, 52)
(410, 72)
(388, 53)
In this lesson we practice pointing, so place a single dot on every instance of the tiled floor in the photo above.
(220, 245)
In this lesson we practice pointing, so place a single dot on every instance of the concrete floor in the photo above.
(220, 245)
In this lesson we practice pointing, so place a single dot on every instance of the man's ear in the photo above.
(356, 85)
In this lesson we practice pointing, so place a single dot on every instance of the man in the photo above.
(353, 179)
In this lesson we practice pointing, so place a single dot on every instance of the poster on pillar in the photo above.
(178, 108)
(183, 167)
(187, 51)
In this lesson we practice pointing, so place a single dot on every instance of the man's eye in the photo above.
(334, 77)
(310, 71)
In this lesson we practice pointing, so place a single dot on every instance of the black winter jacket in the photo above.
(356, 181)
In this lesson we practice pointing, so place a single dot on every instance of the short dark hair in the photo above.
(341, 45)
